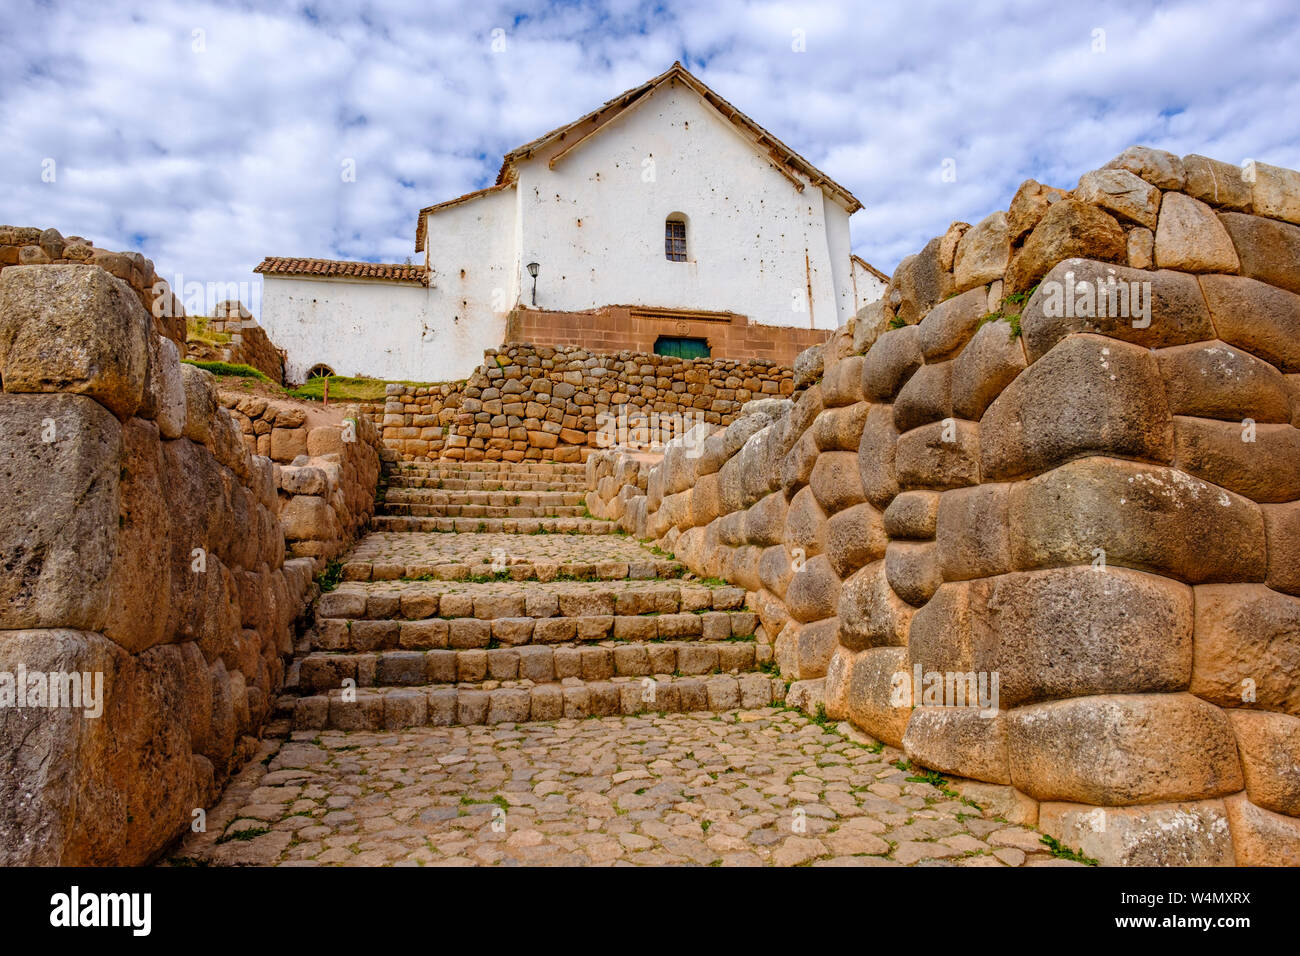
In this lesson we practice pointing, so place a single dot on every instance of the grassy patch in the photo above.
(345, 389)
(1063, 852)
(329, 578)
(228, 369)
(252, 833)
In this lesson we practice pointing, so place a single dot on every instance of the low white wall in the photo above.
(371, 328)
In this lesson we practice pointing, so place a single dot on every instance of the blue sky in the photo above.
(208, 135)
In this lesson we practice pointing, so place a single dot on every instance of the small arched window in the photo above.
(320, 371)
(675, 238)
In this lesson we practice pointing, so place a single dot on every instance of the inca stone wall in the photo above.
(532, 403)
(1062, 450)
(248, 343)
(143, 547)
(325, 468)
(27, 246)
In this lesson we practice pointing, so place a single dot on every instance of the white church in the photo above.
(665, 221)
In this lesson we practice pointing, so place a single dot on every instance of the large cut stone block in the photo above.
(1190, 237)
(60, 456)
(1268, 249)
(1123, 749)
(963, 741)
(74, 328)
(874, 703)
(971, 532)
(876, 456)
(1063, 632)
(1269, 744)
(1141, 516)
(1151, 309)
(814, 590)
(1218, 380)
(1258, 317)
(836, 482)
(891, 361)
(1162, 834)
(855, 537)
(1261, 837)
(988, 364)
(1069, 229)
(1259, 461)
(1247, 647)
(1088, 394)
(870, 613)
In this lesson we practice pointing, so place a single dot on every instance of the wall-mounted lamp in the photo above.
(533, 267)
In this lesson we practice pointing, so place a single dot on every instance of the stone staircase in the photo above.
(482, 596)
(488, 497)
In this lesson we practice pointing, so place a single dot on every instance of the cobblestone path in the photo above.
(740, 788)
(587, 702)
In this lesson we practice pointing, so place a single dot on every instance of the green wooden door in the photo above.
(678, 347)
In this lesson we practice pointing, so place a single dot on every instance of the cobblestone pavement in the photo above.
(738, 788)
(396, 547)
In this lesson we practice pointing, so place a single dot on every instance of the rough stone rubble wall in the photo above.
(325, 481)
(28, 246)
(248, 345)
(141, 540)
(1104, 511)
(532, 403)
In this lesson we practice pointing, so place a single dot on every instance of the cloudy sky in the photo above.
(208, 135)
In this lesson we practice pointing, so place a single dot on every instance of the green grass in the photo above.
(344, 389)
(228, 369)
(329, 578)
(251, 833)
(1063, 852)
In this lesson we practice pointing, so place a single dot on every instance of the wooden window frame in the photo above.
(674, 243)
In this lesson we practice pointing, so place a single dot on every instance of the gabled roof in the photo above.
(870, 268)
(341, 269)
(782, 156)
(420, 225)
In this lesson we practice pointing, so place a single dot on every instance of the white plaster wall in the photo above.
(369, 328)
(867, 287)
(755, 243)
(470, 251)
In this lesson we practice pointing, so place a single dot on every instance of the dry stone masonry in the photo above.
(529, 403)
(513, 613)
(1062, 450)
(26, 246)
(241, 341)
(145, 569)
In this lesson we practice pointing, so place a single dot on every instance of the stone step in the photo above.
(591, 526)
(540, 663)
(362, 569)
(495, 499)
(418, 600)
(389, 555)
(493, 702)
(561, 486)
(366, 634)
(478, 469)
(456, 510)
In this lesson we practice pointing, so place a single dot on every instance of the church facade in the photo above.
(664, 221)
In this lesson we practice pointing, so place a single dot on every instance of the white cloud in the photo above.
(207, 160)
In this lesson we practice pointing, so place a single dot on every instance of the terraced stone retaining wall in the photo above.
(144, 547)
(326, 465)
(988, 474)
(531, 403)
